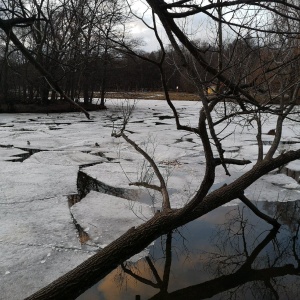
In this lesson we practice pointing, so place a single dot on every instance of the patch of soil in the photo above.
(51, 107)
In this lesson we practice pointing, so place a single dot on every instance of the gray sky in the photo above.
(197, 27)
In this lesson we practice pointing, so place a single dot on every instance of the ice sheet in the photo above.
(34, 213)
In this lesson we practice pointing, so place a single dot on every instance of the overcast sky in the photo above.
(197, 27)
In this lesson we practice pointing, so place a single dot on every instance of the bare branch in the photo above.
(139, 278)
(146, 185)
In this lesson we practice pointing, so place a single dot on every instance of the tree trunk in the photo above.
(24, 96)
(53, 96)
(4, 83)
(104, 74)
(44, 94)
(38, 66)
(86, 94)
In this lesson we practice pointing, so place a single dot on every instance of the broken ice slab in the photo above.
(105, 217)
(114, 178)
(38, 243)
(292, 169)
(64, 158)
(278, 187)
(38, 222)
(10, 153)
(21, 182)
(25, 269)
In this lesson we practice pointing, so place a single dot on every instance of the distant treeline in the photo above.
(86, 49)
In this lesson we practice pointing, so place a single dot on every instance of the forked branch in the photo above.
(163, 187)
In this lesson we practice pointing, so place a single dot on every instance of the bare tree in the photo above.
(237, 99)
(20, 18)
(68, 39)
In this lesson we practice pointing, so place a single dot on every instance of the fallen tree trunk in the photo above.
(75, 282)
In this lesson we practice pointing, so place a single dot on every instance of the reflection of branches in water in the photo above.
(230, 242)
(264, 280)
(235, 256)
(296, 246)
(155, 280)
(287, 212)
(245, 262)
(183, 249)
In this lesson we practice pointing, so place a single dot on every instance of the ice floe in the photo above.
(23, 182)
(105, 217)
(64, 158)
(38, 236)
(10, 154)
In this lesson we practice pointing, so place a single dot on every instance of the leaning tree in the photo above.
(251, 64)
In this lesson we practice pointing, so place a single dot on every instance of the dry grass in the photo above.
(151, 96)
(63, 106)
(51, 107)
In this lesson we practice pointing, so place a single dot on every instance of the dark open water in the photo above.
(227, 254)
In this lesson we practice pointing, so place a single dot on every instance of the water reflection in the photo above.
(228, 254)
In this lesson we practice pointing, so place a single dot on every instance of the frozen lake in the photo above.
(64, 182)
